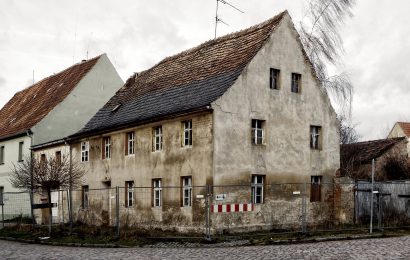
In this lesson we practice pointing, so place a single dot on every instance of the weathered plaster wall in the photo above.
(170, 164)
(286, 155)
(91, 93)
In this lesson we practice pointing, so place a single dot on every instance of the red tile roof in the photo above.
(405, 126)
(27, 107)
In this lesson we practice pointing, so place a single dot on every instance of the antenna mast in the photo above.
(217, 19)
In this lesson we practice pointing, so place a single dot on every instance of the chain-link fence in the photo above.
(225, 209)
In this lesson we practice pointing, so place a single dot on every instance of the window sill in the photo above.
(130, 155)
(186, 147)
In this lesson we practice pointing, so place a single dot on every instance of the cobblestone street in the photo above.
(384, 248)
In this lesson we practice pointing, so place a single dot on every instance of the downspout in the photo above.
(30, 135)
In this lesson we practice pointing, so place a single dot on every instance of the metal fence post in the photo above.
(304, 199)
(371, 199)
(117, 210)
(70, 208)
(208, 213)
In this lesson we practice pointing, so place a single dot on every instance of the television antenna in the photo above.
(219, 20)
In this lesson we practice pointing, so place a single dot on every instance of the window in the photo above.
(58, 157)
(129, 193)
(187, 191)
(157, 138)
(84, 197)
(1, 195)
(257, 131)
(85, 148)
(187, 138)
(20, 155)
(2, 154)
(42, 158)
(315, 188)
(129, 146)
(257, 188)
(296, 82)
(107, 147)
(274, 78)
(315, 137)
(157, 196)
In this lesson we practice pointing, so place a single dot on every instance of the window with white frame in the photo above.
(107, 147)
(257, 131)
(130, 143)
(129, 193)
(157, 138)
(157, 192)
(20, 154)
(187, 191)
(84, 196)
(257, 188)
(85, 149)
(315, 137)
(187, 138)
(2, 154)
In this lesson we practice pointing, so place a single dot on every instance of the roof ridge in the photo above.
(219, 39)
(61, 71)
(377, 140)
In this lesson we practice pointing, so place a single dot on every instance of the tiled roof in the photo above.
(27, 107)
(184, 82)
(405, 126)
(364, 152)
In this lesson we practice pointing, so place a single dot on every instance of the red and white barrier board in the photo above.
(231, 208)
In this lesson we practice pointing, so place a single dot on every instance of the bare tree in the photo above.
(348, 133)
(323, 44)
(47, 175)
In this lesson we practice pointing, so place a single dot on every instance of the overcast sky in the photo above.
(47, 36)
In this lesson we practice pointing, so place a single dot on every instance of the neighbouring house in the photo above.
(245, 110)
(401, 129)
(389, 154)
(50, 110)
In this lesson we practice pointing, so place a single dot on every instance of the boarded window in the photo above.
(296, 82)
(58, 157)
(84, 196)
(274, 78)
(315, 189)
(1, 154)
(20, 155)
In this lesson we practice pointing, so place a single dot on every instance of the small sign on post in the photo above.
(219, 197)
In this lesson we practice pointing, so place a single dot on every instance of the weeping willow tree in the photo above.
(320, 35)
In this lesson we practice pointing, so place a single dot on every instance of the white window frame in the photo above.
(187, 191)
(107, 147)
(315, 132)
(129, 185)
(85, 151)
(157, 194)
(257, 128)
(130, 143)
(187, 134)
(157, 139)
(2, 149)
(257, 189)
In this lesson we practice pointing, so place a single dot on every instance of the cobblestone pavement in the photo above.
(383, 248)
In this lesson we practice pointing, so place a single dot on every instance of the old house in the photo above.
(356, 158)
(401, 129)
(242, 109)
(51, 109)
